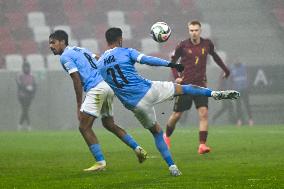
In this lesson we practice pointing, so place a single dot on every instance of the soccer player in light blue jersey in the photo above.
(80, 64)
(140, 95)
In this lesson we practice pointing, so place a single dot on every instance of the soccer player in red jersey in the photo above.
(193, 55)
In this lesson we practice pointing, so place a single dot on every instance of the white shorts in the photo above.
(159, 92)
(99, 101)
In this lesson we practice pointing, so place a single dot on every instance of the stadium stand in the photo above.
(41, 33)
(91, 44)
(247, 31)
(30, 5)
(148, 46)
(36, 61)
(27, 47)
(115, 18)
(84, 19)
(36, 19)
(53, 63)
(26, 32)
(14, 62)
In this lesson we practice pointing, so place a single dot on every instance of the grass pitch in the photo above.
(240, 158)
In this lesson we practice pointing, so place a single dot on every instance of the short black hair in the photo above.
(113, 34)
(59, 35)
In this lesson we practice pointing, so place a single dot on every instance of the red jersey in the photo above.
(194, 59)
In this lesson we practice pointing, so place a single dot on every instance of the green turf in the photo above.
(241, 158)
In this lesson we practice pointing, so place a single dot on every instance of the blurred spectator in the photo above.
(227, 105)
(26, 92)
(240, 83)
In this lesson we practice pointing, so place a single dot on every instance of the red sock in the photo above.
(203, 137)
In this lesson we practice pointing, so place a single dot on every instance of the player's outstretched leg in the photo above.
(108, 123)
(196, 90)
(163, 149)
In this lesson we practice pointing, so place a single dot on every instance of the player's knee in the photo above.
(203, 115)
(177, 115)
(83, 128)
(108, 123)
(155, 129)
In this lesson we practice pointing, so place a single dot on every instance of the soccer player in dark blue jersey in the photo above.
(79, 63)
(138, 94)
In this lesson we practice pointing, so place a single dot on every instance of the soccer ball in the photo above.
(160, 32)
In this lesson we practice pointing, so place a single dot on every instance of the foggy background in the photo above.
(250, 31)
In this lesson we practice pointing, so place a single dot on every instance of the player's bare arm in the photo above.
(78, 90)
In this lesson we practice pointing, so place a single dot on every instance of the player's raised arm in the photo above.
(155, 61)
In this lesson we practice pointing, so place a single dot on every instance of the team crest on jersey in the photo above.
(203, 50)
(189, 51)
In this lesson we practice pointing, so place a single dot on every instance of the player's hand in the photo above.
(178, 67)
(226, 74)
(179, 80)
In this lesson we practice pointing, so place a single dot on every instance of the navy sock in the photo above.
(196, 90)
(97, 152)
(163, 149)
(130, 141)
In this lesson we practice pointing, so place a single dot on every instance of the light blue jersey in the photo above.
(79, 59)
(116, 66)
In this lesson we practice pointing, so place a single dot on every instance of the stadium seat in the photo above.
(27, 47)
(14, 62)
(41, 33)
(36, 61)
(11, 6)
(75, 18)
(22, 33)
(53, 63)
(89, 4)
(91, 44)
(16, 19)
(135, 17)
(66, 28)
(206, 30)
(73, 42)
(30, 5)
(36, 19)
(149, 46)
(7, 46)
(147, 5)
(127, 34)
(100, 31)
(5, 33)
(115, 18)
(279, 15)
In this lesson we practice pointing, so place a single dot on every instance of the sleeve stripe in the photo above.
(72, 70)
(139, 57)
